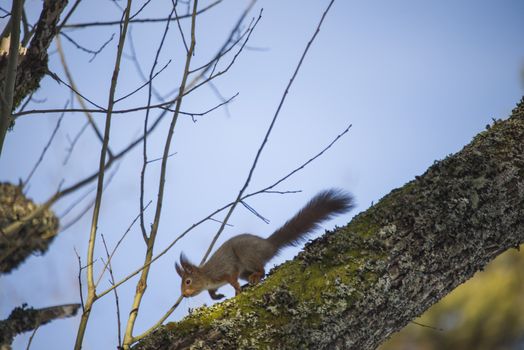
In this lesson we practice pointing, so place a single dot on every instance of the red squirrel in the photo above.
(244, 256)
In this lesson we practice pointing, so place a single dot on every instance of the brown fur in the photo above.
(244, 256)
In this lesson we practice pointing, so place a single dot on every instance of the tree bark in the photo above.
(32, 66)
(23, 319)
(34, 237)
(355, 286)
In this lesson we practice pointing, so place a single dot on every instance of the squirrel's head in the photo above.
(192, 279)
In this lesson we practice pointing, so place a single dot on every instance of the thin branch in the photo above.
(149, 82)
(426, 326)
(200, 114)
(213, 76)
(253, 210)
(118, 244)
(69, 14)
(139, 20)
(138, 66)
(267, 189)
(217, 93)
(112, 281)
(59, 80)
(87, 207)
(72, 143)
(79, 97)
(162, 319)
(180, 27)
(224, 49)
(80, 268)
(86, 50)
(75, 203)
(139, 10)
(27, 31)
(160, 158)
(31, 338)
(46, 147)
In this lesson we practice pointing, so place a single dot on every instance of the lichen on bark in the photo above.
(355, 286)
(34, 237)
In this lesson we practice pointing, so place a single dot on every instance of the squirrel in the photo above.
(244, 256)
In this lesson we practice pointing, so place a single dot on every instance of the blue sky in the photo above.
(417, 80)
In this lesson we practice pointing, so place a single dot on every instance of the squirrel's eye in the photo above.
(188, 281)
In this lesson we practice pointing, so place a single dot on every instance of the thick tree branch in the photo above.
(353, 287)
(23, 319)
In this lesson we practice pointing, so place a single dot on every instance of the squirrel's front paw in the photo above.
(213, 294)
(217, 296)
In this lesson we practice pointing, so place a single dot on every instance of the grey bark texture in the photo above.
(33, 238)
(33, 65)
(23, 319)
(355, 286)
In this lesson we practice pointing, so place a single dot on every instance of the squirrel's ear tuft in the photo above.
(186, 264)
(179, 270)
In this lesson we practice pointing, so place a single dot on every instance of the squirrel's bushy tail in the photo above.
(322, 207)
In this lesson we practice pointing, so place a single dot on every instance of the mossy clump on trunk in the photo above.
(35, 236)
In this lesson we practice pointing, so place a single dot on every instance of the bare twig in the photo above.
(162, 319)
(80, 268)
(60, 81)
(112, 281)
(31, 338)
(44, 151)
(200, 114)
(27, 31)
(427, 326)
(149, 161)
(180, 27)
(68, 15)
(86, 208)
(79, 97)
(139, 10)
(139, 20)
(133, 57)
(149, 82)
(75, 203)
(72, 143)
(118, 244)
(86, 50)
(253, 210)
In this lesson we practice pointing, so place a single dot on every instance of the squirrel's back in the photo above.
(320, 208)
